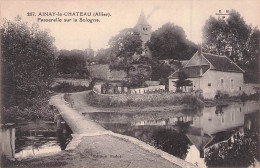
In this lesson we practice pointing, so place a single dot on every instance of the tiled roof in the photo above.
(191, 71)
(222, 63)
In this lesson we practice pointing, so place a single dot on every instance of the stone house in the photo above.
(211, 73)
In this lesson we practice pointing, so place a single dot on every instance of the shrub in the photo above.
(221, 95)
(68, 88)
(39, 110)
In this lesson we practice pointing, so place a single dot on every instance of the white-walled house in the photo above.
(211, 73)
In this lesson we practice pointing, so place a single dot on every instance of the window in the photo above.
(231, 84)
(209, 84)
(232, 116)
(222, 119)
(222, 83)
(240, 88)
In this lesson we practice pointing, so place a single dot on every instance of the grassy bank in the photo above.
(142, 100)
(224, 99)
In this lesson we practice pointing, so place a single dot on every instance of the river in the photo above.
(220, 136)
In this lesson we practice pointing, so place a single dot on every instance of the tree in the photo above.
(160, 71)
(170, 42)
(182, 81)
(103, 56)
(125, 45)
(237, 40)
(231, 37)
(27, 63)
(215, 34)
(72, 62)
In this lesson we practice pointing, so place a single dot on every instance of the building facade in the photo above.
(211, 74)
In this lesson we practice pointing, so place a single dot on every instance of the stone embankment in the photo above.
(103, 148)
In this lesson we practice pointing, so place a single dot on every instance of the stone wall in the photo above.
(99, 71)
(213, 78)
(102, 71)
(117, 75)
(147, 89)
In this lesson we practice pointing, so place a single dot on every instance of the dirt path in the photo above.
(79, 102)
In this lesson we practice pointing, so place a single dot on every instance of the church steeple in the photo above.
(144, 28)
(142, 20)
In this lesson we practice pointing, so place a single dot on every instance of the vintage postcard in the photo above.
(122, 84)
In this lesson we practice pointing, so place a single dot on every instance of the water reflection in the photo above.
(29, 139)
(212, 137)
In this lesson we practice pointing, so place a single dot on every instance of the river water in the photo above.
(34, 138)
(220, 136)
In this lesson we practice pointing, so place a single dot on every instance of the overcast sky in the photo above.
(190, 15)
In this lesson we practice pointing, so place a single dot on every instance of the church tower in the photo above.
(144, 28)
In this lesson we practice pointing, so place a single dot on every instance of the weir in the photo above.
(77, 122)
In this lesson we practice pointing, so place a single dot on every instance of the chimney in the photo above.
(200, 49)
(201, 72)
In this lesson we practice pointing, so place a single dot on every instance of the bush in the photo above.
(69, 88)
(39, 110)
(221, 95)
(254, 96)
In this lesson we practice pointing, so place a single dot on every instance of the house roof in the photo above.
(222, 63)
(191, 71)
(142, 20)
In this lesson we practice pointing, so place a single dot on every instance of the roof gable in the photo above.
(197, 60)
(191, 71)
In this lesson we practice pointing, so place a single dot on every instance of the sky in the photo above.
(191, 15)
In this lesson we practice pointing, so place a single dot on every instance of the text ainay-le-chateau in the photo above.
(95, 14)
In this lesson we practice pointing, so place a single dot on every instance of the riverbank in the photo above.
(143, 100)
(79, 101)
(159, 102)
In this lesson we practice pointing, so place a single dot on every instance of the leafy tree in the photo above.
(232, 37)
(215, 36)
(72, 62)
(27, 63)
(125, 45)
(182, 81)
(160, 71)
(170, 42)
(136, 80)
(103, 56)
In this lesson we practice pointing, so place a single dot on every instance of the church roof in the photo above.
(142, 20)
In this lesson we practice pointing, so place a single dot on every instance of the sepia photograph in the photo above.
(130, 84)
